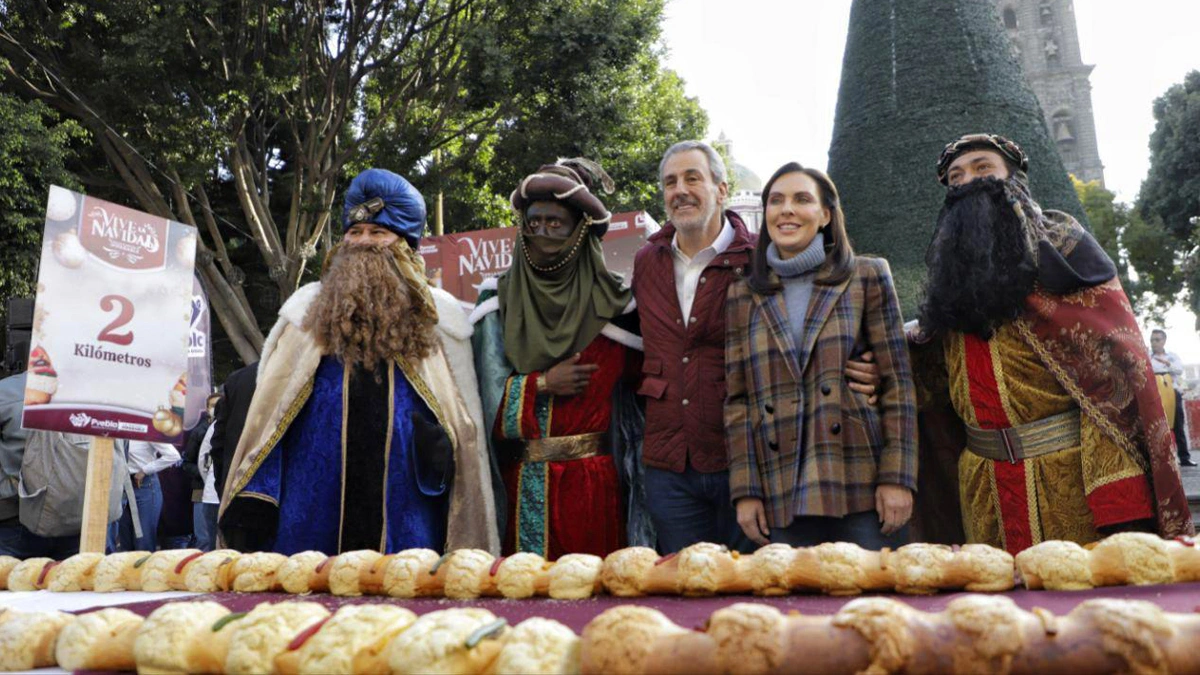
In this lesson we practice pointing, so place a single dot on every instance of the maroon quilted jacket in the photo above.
(683, 374)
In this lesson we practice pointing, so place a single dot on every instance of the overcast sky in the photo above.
(741, 60)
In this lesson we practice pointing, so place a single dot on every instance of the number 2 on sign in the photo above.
(108, 303)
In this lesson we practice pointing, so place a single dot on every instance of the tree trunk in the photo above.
(227, 301)
(222, 303)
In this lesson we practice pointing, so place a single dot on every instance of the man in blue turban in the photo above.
(358, 435)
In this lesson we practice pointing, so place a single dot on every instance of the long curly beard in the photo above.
(364, 313)
(982, 262)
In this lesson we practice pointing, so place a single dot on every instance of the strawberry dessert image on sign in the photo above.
(42, 381)
(178, 395)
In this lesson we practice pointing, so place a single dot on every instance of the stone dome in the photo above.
(745, 179)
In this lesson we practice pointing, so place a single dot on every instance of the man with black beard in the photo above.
(1029, 345)
(358, 435)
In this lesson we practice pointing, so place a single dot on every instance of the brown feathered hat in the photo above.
(1008, 149)
(570, 181)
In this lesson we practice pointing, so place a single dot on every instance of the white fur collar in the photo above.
(296, 306)
(293, 312)
(484, 308)
(452, 320)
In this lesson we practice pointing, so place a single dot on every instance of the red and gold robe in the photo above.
(1001, 383)
(571, 505)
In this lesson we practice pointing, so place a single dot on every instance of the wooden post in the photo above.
(440, 225)
(94, 533)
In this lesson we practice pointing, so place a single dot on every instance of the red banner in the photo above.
(459, 263)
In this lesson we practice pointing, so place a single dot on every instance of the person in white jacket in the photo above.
(204, 512)
(1168, 369)
(145, 460)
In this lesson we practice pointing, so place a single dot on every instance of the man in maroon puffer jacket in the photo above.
(679, 280)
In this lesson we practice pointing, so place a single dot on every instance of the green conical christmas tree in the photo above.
(916, 75)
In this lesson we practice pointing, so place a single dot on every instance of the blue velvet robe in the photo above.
(303, 474)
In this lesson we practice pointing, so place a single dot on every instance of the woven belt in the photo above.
(563, 448)
(1054, 433)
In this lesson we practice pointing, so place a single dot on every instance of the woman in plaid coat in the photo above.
(810, 460)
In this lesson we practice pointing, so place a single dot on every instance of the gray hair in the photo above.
(716, 164)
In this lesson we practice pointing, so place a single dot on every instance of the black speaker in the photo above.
(17, 335)
(20, 313)
(16, 350)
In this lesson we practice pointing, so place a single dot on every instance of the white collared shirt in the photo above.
(1167, 362)
(688, 270)
(150, 458)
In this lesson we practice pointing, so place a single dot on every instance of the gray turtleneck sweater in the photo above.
(796, 274)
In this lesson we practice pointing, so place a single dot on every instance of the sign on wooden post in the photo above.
(94, 531)
(109, 351)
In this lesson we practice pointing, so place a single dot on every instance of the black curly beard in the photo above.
(980, 265)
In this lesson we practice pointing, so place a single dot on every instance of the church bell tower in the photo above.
(1046, 40)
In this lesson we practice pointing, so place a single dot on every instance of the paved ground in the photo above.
(1191, 485)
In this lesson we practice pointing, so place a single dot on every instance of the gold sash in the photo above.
(563, 448)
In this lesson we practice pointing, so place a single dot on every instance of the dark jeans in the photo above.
(204, 519)
(149, 505)
(16, 540)
(857, 528)
(1180, 430)
(691, 507)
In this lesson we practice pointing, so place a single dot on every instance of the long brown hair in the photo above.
(839, 254)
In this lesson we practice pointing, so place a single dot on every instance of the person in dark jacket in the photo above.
(229, 416)
(191, 447)
(679, 280)
(197, 464)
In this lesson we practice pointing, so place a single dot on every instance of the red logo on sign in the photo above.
(123, 237)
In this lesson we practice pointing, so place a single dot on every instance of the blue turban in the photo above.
(383, 198)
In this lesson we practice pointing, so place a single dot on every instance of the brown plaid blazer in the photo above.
(778, 390)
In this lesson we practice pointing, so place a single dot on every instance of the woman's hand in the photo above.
(892, 502)
(568, 378)
(752, 517)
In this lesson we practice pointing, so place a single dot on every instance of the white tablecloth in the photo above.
(45, 601)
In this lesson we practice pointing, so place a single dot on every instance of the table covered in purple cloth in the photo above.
(694, 612)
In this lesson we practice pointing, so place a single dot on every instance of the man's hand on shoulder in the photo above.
(862, 375)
